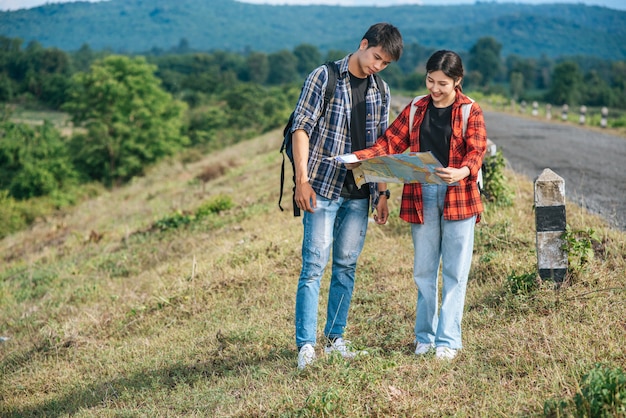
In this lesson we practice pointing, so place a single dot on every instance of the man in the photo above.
(335, 209)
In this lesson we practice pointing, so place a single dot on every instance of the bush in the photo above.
(216, 205)
(602, 394)
(495, 188)
(34, 161)
(11, 219)
(523, 284)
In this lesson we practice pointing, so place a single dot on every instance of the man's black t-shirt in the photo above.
(435, 132)
(357, 135)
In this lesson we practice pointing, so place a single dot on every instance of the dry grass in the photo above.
(198, 321)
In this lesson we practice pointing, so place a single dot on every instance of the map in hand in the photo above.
(413, 167)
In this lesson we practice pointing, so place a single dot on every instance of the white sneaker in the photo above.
(343, 347)
(423, 348)
(306, 356)
(446, 353)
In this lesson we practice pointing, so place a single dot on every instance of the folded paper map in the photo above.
(412, 167)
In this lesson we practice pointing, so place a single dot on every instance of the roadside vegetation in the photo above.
(173, 296)
(73, 123)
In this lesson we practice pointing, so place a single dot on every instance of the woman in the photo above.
(442, 217)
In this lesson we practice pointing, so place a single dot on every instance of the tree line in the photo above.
(43, 75)
(129, 112)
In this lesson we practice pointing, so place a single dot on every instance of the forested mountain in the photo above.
(130, 26)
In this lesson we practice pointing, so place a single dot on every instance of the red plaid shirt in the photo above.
(463, 200)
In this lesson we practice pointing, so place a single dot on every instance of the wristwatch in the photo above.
(385, 193)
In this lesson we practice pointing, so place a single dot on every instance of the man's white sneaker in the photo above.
(306, 356)
(446, 353)
(343, 347)
(423, 348)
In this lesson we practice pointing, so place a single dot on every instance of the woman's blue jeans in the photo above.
(340, 225)
(449, 243)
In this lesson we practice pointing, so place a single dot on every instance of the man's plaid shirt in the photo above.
(330, 136)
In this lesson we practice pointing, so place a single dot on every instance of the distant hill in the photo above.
(131, 26)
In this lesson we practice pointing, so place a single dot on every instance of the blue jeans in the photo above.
(450, 243)
(340, 224)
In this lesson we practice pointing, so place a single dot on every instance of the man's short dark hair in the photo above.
(387, 36)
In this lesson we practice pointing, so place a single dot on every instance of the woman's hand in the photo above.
(452, 175)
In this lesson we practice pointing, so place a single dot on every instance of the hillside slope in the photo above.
(135, 26)
(107, 314)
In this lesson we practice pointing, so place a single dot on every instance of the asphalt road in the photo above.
(592, 162)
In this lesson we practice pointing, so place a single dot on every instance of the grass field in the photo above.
(107, 315)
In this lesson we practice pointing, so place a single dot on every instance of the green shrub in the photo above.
(174, 221)
(217, 204)
(579, 247)
(11, 218)
(522, 284)
(179, 219)
(495, 187)
(602, 394)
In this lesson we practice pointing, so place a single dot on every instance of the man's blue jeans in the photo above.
(340, 225)
(452, 244)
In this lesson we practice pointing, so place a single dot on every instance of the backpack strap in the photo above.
(331, 84)
(379, 83)
(465, 108)
(413, 110)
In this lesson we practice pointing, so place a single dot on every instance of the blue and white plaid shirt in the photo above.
(329, 135)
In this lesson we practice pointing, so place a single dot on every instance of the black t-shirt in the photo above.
(357, 135)
(435, 132)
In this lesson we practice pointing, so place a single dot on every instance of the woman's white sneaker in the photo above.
(446, 353)
(423, 348)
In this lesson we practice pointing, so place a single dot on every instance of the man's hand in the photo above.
(382, 211)
(352, 166)
(306, 199)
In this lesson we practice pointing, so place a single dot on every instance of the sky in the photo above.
(613, 4)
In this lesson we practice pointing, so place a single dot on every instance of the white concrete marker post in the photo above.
(564, 111)
(551, 223)
(583, 115)
(605, 114)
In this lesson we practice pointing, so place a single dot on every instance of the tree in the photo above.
(308, 57)
(524, 66)
(34, 161)
(335, 54)
(485, 58)
(618, 83)
(544, 72)
(566, 86)
(414, 57)
(82, 59)
(283, 68)
(516, 83)
(596, 91)
(130, 121)
(258, 67)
